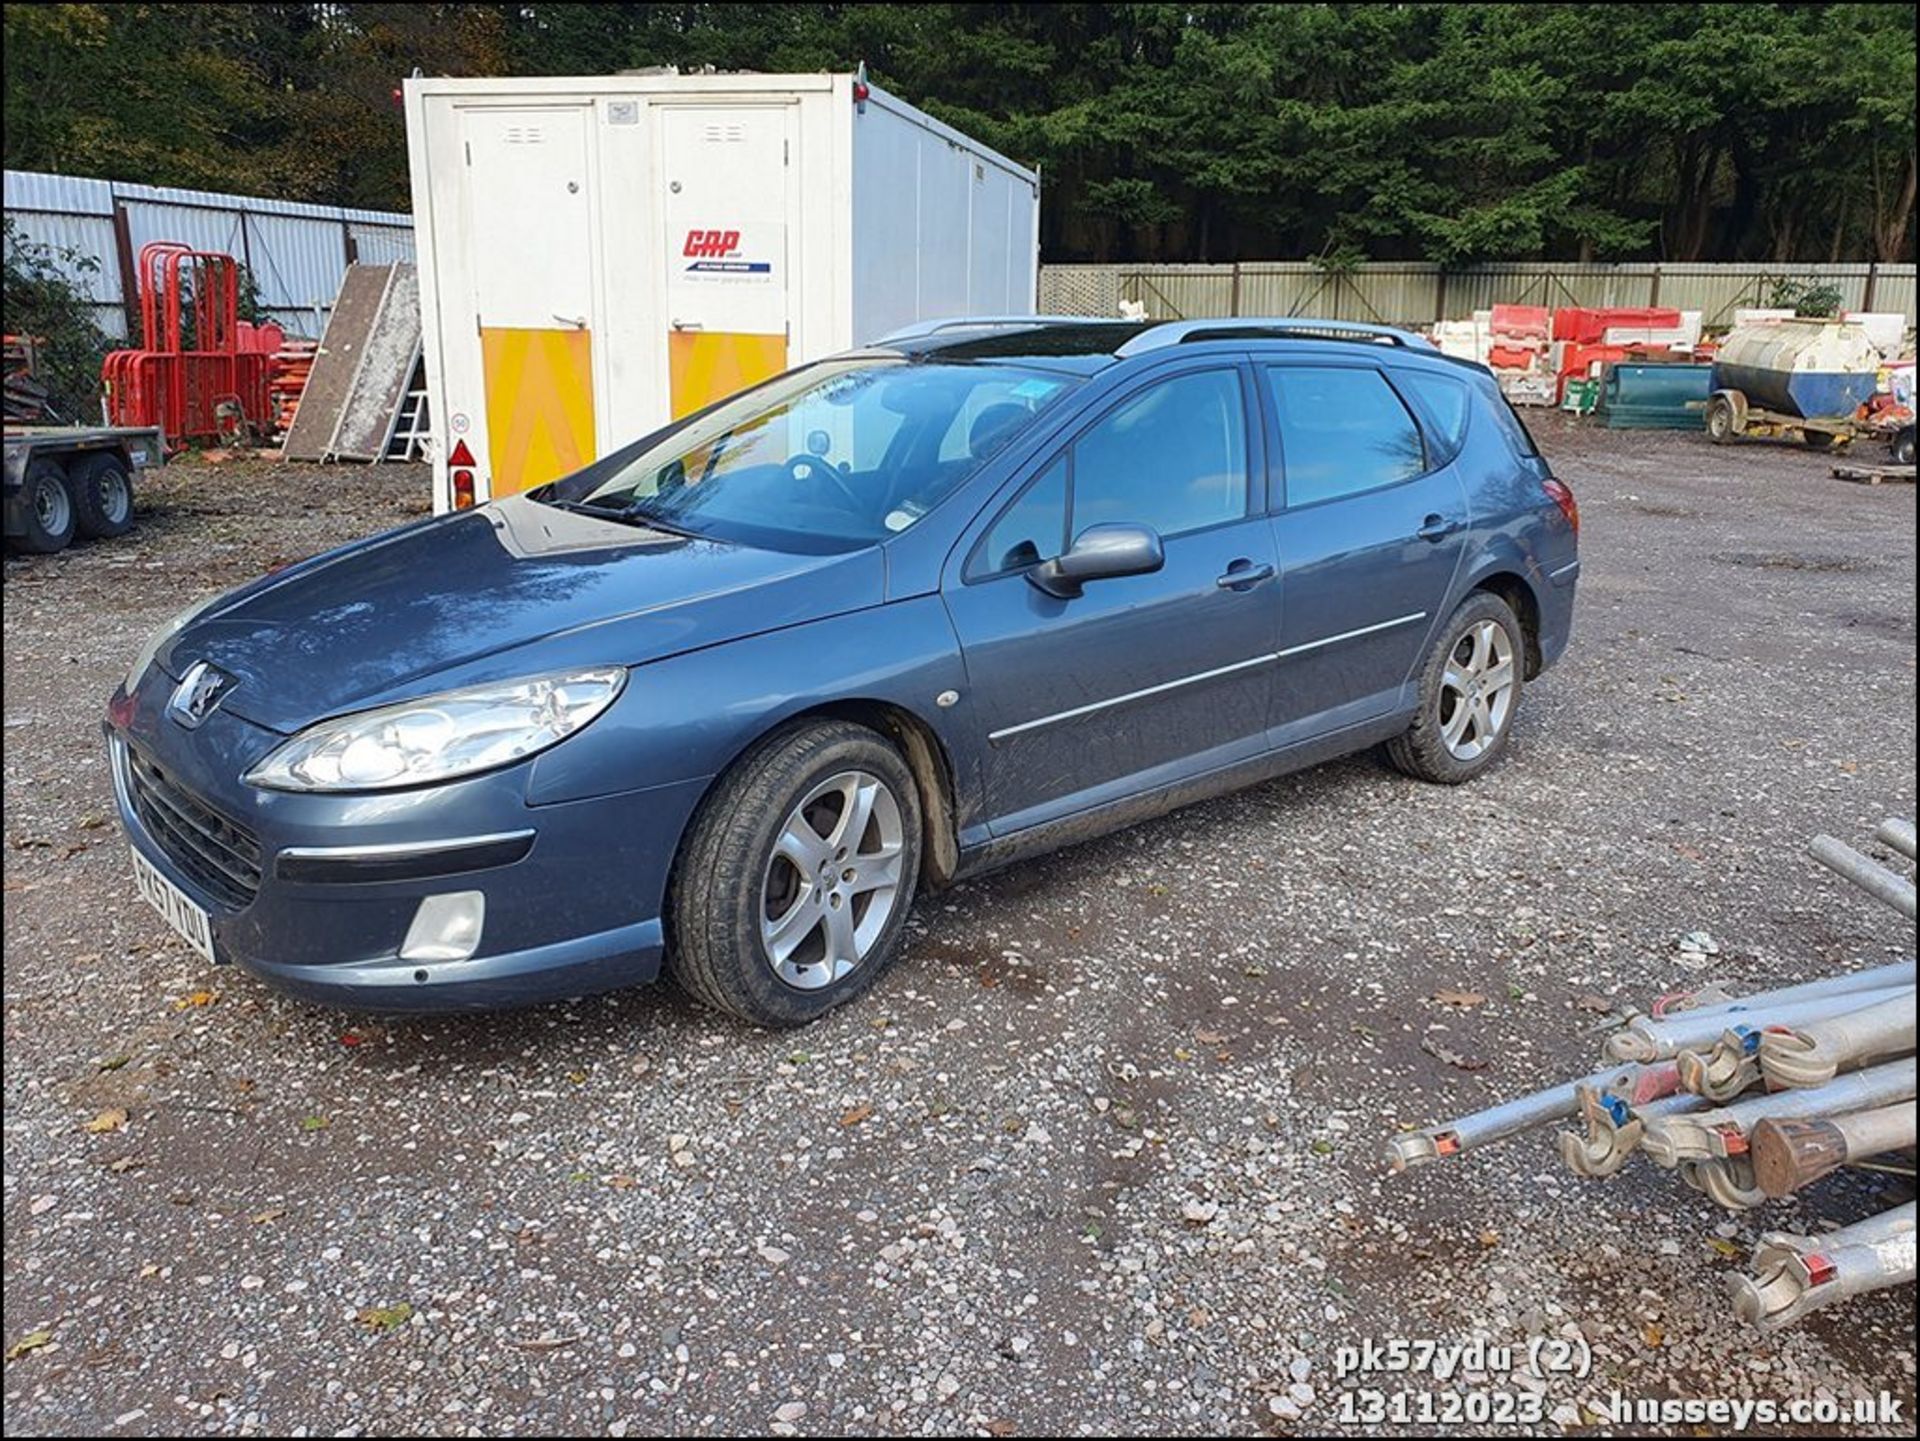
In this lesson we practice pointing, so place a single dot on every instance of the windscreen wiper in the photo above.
(634, 512)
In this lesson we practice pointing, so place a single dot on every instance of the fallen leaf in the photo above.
(1209, 1038)
(315, 1123)
(126, 1163)
(385, 1318)
(109, 1120)
(195, 999)
(641, 1065)
(32, 1341)
(1652, 1334)
(113, 1063)
(1000, 1426)
(545, 1343)
(858, 1114)
(1489, 1239)
(1451, 1058)
(1465, 1000)
(272, 1213)
(1599, 1005)
(1726, 1248)
(578, 1078)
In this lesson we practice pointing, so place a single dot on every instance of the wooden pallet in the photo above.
(1874, 474)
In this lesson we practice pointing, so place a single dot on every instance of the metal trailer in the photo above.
(601, 255)
(66, 480)
(1809, 380)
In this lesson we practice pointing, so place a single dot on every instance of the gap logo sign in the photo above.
(717, 253)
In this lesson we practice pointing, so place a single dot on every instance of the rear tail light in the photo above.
(460, 475)
(1563, 497)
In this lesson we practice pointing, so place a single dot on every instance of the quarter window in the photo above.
(1446, 399)
(1033, 528)
(1342, 431)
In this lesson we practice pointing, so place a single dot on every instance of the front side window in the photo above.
(1173, 457)
(1342, 431)
(833, 457)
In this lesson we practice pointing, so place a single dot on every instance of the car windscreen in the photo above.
(830, 458)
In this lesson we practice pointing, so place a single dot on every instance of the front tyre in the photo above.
(1469, 693)
(793, 888)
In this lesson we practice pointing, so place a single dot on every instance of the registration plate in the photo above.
(192, 922)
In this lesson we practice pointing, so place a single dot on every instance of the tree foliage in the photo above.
(1197, 131)
(46, 307)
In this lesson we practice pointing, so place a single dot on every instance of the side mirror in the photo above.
(1100, 552)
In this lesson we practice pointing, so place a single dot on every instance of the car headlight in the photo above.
(159, 638)
(441, 736)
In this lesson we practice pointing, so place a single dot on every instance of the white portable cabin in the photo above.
(599, 256)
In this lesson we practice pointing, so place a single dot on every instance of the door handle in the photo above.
(1437, 528)
(1244, 575)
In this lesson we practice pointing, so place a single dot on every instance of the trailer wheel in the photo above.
(1723, 421)
(1903, 447)
(102, 490)
(47, 509)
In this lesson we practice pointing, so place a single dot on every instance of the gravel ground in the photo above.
(1103, 1152)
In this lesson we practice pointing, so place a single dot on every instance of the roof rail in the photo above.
(922, 328)
(1179, 332)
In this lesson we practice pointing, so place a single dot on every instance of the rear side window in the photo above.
(1343, 430)
(1446, 401)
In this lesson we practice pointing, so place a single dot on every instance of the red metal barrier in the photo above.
(206, 383)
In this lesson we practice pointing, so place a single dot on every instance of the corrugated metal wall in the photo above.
(1395, 293)
(296, 252)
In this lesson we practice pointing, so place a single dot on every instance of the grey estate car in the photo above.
(728, 699)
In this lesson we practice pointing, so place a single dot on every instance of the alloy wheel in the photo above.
(1477, 690)
(833, 880)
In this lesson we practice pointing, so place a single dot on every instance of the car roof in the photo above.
(1088, 344)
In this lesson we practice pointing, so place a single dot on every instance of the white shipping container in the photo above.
(599, 256)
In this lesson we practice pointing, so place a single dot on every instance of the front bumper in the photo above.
(574, 891)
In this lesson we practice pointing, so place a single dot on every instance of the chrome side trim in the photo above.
(401, 850)
(995, 737)
(1351, 634)
(1134, 695)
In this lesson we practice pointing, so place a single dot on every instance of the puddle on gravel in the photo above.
(1793, 560)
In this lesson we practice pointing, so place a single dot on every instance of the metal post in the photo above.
(1717, 1134)
(1233, 304)
(1789, 1153)
(1897, 834)
(129, 276)
(1876, 880)
(1647, 1040)
(1811, 1055)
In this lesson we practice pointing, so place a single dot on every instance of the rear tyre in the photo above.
(48, 507)
(1817, 439)
(1721, 422)
(793, 887)
(1469, 694)
(1903, 447)
(102, 490)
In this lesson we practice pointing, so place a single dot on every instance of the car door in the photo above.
(1139, 680)
(1370, 532)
